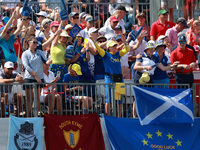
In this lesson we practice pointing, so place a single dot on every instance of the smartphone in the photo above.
(58, 74)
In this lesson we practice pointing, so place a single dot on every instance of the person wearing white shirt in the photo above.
(108, 31)
(120, 12)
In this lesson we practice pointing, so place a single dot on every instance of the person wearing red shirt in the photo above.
(187, 62)
(161, 25)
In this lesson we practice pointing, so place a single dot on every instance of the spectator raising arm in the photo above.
(8, 25)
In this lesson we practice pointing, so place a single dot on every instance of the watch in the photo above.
(13, 79)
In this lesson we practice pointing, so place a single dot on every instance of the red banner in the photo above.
(79, 132)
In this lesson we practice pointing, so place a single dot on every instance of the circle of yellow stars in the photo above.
(159, 134)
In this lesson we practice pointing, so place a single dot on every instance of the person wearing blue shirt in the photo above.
(159, 75)
(74, 71)
(7, 39)
(112, 64)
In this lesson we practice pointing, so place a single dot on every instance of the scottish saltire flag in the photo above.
(163, 106)
(25, 133)
(128, 134)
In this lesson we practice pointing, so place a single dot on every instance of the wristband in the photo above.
(143, 67)
(79, 54)
(13, 79)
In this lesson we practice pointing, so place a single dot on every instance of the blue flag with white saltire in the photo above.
(25, 133)
(163, 106)
(128, 134)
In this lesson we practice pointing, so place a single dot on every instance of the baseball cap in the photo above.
(111, 43)
(120, 7)
(101, 37)
(163, 11)
(54, 24)
(182, 37)
(41, 13)
(197, 48)
(9, 64)
(92, 30)
(141, 15)
(160, 43)
(45, 22)
(73, 14)
(149, 45)
(183, 21)
(144, 78)
(119, 36)
(77, 69)
(113, 18)
(118, 27)
(5, 19)
(88, 18)
(82, 15)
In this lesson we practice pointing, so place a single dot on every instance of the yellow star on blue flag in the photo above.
(159, 133)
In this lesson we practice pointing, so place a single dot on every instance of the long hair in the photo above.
(27, 39)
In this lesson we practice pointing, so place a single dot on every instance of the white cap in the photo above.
(42, 13)
(9, 64)
(161, 37)
(92, 30)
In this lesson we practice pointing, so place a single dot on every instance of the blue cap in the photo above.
(182, 37)
(73, 14)
(6, 19)
(118, 27)
(119, 36)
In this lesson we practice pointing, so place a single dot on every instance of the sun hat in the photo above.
(144, 78)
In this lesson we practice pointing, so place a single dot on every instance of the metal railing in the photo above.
(89, 100)
(100, 11)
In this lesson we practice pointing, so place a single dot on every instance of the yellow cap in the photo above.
(144, 78)
(77, 69)
(111, 43)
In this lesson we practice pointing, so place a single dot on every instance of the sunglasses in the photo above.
(182, 42)
(119, 40)
(14, 28)
(101, 41)
(34, 42)
(79, 38)
(8, 32)
(75, 17)
(68, 30)
(115, 21)
(10, 68)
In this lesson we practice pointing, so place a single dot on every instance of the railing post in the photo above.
(35, 99)
(113, 99)
(194, 99)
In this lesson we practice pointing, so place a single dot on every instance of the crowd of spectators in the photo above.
(36, 49)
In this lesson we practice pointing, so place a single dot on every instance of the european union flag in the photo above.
(25, 133)
(163, 106)
(128, 134)
(74, 31)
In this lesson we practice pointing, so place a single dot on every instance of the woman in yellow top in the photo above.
(112, 64)
(58, 50)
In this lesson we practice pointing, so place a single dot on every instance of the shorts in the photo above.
(109, 80)
(32, 81)
(10, 98)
